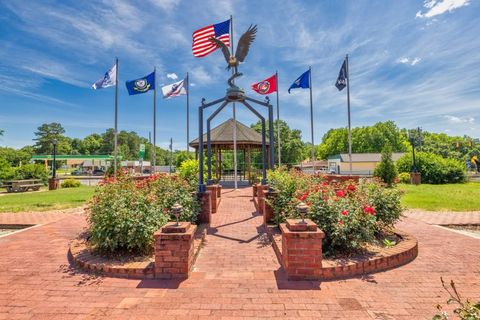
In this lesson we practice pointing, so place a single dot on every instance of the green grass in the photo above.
(446, 197)
(47, 200)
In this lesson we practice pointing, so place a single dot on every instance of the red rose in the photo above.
(340, 194)
(369, 210)
(344, 212)
(351, 188)
(340, 222)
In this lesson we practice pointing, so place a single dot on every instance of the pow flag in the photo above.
(342, 77)
(266, 86)
(141, 85)
(175, 89)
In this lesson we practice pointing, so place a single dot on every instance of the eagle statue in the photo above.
(243, 47)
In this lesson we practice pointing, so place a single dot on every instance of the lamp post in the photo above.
(415, 176)
(414, 162)
(53, 181)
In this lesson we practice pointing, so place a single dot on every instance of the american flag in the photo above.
(202, 46)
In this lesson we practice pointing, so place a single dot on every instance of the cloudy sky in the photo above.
(413, 62)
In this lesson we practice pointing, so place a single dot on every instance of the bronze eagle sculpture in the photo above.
(242, 48)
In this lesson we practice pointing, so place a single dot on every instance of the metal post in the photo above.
(209, 154)
(54, 168)
(201, 185)
(271, 136)
(311, 117)
(171, 155)
(278, 125)
(115, 138)
(234, 115)
(349, 121)
(154, 120)
(188, 115)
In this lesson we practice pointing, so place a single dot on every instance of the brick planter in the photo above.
(213, 196)
(268, 213)
(261, 190)
(302, 249)
(205, 215)
(415, 178)
(174, 252)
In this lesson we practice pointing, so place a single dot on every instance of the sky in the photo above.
(413, 62)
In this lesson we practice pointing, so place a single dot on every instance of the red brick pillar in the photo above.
(261, 189)
(213, 196)
(219, 191)
(268, 213)
(302, 249)
(205, 215)
(254, 187)
(174, 250)
(415, 178)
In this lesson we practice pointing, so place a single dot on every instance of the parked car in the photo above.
(146, 171)
(79, 172)
(98, 172)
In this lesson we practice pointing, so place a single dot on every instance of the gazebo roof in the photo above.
(222, 135)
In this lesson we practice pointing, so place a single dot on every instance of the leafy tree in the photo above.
(386, 169)
(291, 142)
(45, 135)
(15, 157)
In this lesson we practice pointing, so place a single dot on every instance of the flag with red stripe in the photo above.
(266, 86)
(202, 46)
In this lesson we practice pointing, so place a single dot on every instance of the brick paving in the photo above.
(236, 276)
(444, 217)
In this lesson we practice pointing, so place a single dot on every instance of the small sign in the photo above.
(141, 152)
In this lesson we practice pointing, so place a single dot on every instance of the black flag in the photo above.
(342, 77)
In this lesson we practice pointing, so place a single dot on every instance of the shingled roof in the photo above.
(223, 135)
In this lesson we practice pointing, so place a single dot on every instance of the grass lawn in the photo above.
(451, 197)
(48, 200)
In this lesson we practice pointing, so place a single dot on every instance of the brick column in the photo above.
(302, 249)
(205, 215)
(254, 189)
(261, 189)
(213, 196)
(174, 250)
(268, 213)
(219, 191)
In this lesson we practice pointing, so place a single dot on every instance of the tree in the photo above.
(291, 142)
(386, 169)
(45, 135)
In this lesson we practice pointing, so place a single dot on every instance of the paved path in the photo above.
(444, 217)
(236, 277)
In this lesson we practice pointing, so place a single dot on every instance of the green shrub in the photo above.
(349, 213)
(386, 169)
(124, 212)
(434, 168)
(7, 172)
(70, 183)
(31, 171)
(188, 171)
(404, 177)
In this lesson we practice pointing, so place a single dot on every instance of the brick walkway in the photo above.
(444, 218)
(236, 276)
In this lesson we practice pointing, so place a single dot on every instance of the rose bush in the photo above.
(350, 213)
(125, 212)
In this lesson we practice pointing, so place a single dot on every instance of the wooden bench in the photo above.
(22, 185)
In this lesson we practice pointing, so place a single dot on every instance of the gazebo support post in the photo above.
(209, 142)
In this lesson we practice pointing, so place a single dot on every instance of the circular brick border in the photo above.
(80, 256)
(402, 253)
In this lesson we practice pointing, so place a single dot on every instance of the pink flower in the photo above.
(344, 212)
(340, 222)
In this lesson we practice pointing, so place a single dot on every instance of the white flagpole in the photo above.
(349, 120)
(278, 124)
(154, 120)
(188, 114)
(115, 139)
(311, 117)
(234, 116)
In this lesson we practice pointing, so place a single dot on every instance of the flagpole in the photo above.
(278, 124)
(311, 117)
(115, 139)
(188, 114)
(349, 119)
(154, 119)
(234, 115)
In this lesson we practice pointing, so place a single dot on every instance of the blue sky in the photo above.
(413, 62)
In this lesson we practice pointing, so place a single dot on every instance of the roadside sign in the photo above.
(141, 152)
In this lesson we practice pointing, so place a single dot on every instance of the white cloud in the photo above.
(454, 119)
(172, 76)
(439, 7)
(409, 61)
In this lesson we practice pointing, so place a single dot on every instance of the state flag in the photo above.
(301, 82)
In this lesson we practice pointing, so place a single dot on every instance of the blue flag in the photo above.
(342, 77)
(141, 85)
(302, 82)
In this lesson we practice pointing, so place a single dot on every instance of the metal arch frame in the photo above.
(226, 101)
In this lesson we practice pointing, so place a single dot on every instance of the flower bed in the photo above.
(352, 214)
(125, 212)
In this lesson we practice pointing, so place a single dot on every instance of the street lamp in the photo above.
(412, 142)
(54, 169)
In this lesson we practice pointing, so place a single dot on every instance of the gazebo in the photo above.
(248, 141)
